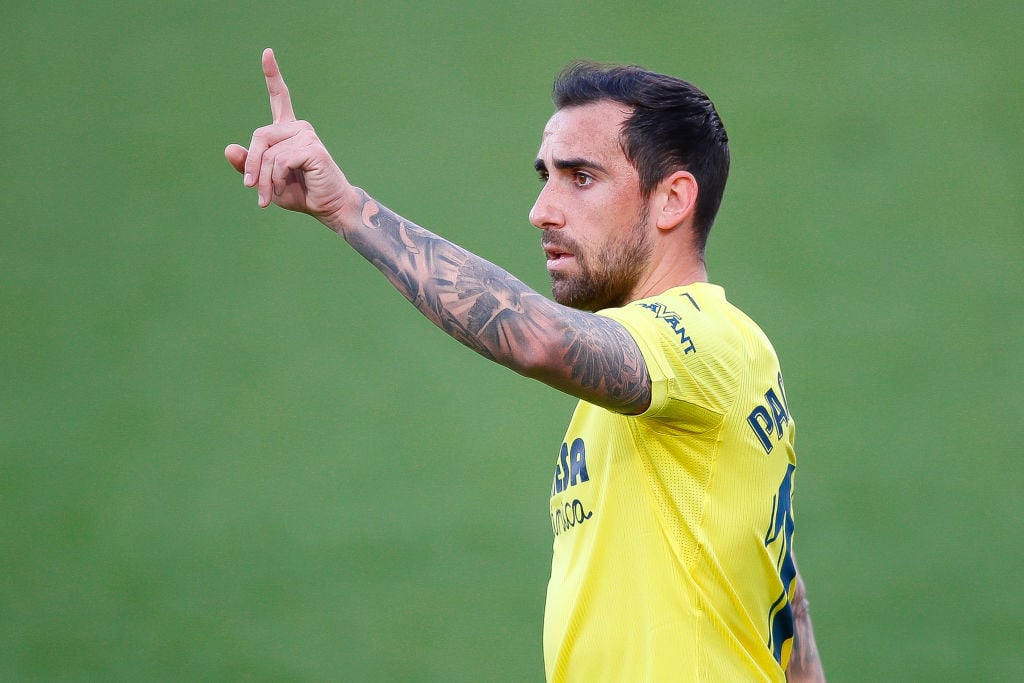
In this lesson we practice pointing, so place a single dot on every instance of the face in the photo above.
(596, 230)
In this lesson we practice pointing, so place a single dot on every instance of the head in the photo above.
(597, 233)
(671, 125)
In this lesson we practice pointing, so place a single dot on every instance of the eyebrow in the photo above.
(569, 164)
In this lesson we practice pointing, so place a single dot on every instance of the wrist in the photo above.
(345, 214)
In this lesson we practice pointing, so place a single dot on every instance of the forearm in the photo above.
(487, 309)
(804, 663)
(474, 301)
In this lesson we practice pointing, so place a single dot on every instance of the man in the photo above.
(671, 503)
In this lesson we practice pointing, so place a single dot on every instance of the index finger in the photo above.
(280, 100)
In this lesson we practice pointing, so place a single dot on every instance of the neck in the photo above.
(662, 279)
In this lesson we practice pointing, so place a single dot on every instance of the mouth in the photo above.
(559, 261)
(556, 253)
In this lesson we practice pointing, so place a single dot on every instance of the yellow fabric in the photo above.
(672, 529)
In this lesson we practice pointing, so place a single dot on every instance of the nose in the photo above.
(546, 213)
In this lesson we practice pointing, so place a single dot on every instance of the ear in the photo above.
(677, 199)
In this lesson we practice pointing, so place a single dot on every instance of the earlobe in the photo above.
(679, 199)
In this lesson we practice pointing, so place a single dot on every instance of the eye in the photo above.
(582, 179)
(542, 176)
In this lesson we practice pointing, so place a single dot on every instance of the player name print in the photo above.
(768, 419)
(570, 471)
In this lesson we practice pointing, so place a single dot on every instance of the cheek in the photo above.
(605, 219)
(617, 219)
(622, 205)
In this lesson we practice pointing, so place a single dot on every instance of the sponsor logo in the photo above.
(674, 321)
(570, 471)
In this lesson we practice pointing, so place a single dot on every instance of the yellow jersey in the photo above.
(673, 529)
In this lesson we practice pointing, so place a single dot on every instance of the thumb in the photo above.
(236, 156)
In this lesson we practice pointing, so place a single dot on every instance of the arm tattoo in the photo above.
(604, 355)
(499, 317)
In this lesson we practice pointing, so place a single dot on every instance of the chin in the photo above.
(581, 301)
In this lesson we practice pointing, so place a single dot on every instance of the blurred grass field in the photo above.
(229, 451)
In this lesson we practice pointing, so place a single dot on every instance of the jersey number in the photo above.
(779, 538)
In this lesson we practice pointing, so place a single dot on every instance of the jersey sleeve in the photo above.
(694, 368)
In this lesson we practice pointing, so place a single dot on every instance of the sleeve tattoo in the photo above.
(500, 317)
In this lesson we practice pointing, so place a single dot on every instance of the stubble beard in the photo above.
(607, 275)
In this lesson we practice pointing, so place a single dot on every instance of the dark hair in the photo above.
(674, 126)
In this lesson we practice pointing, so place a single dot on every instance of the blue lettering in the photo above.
(779, 414)
(771, 418)
(673, 320)
(570, 467)
(780, 532)
(763, 425)
(568, 516)
(689, 346)
(561, 481)
(578, 473)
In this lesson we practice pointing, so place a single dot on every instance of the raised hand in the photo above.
(287, 163)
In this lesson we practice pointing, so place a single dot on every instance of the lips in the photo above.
(555, 252)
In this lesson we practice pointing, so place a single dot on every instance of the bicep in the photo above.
(587, 356)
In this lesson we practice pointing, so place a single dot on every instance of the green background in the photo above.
(229, 451)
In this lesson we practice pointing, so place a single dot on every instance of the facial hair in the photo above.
(606, 274)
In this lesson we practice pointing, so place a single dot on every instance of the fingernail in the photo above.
(263, 200)
(247, 180)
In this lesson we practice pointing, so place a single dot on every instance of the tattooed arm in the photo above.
(804, 663)
(497, 315)
(474, 301)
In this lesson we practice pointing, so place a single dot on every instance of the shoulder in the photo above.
(695, 343)
(696, 318)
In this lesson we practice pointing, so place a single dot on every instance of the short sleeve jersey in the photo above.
(673, 529)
